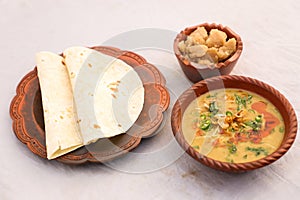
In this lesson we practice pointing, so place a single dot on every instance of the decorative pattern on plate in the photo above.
(28, 122)
(240, 82)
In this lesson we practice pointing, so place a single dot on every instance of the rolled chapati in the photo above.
(61, 127)
(108, 93)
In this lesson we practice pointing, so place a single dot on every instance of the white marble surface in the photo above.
(269, 30)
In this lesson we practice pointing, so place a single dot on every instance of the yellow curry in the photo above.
(233, 125)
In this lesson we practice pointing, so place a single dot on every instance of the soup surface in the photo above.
(233, 125)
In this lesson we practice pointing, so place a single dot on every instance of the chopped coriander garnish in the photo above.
(281, 129)
(211, 96)
(213, 108)
(245, 156)
(254, 125)
(242, 102)
(249, 97)
(232, 149)
(251, 110)
(258, 151)
(196, 147)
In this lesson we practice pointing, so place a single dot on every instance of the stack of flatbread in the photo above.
(86, 96)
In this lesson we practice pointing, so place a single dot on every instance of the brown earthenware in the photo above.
(240, 82)
(28, 121)
(196, 74)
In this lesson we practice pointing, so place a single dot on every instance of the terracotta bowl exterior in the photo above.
(239, 82)
(28, 121)
(195, 74)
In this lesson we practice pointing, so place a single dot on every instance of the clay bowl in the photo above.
(196, 74)
(239, 82)
(28, 121)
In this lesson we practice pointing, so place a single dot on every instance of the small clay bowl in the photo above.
(279, 101)
(196, 74)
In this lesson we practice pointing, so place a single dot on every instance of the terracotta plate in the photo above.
(28, 121)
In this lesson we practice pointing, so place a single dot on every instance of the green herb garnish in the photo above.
(249, 97)
(281, 129)
(232, 149)
(245, 156)
(257, 151)
(196, 147)
(254, 125)
(211, 96)
(213, 108)
(251, 110)
(242, 102)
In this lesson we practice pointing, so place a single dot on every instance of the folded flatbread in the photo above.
(62, 131)
(108, 93)
(86, 96)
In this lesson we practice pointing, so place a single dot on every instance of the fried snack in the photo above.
(207, 49)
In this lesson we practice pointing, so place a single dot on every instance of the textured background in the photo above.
(269, 30)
